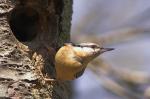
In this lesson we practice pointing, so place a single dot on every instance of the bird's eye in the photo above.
(77, 45)
(93, 46)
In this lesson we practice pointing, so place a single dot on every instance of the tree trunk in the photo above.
(31, 31)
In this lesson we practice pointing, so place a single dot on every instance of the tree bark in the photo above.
(31, 31)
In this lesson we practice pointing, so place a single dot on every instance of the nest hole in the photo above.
(24, 23)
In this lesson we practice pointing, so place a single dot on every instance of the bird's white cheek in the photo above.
(97, 50)
(91, 50)
(88, 50)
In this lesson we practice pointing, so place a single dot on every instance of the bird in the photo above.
(72, 59)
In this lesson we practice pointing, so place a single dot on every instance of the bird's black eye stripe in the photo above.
(94, 46)
(80, 45)
(91, 46)
(77, 45)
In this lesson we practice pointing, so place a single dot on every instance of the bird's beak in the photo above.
(106, 49)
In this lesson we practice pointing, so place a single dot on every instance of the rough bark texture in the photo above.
(31, 31)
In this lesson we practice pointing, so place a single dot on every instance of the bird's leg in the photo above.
(49, 79)
(39, 65)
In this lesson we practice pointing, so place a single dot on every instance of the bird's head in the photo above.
(88, 51)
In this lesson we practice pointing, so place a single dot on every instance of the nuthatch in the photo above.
(71, 60)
